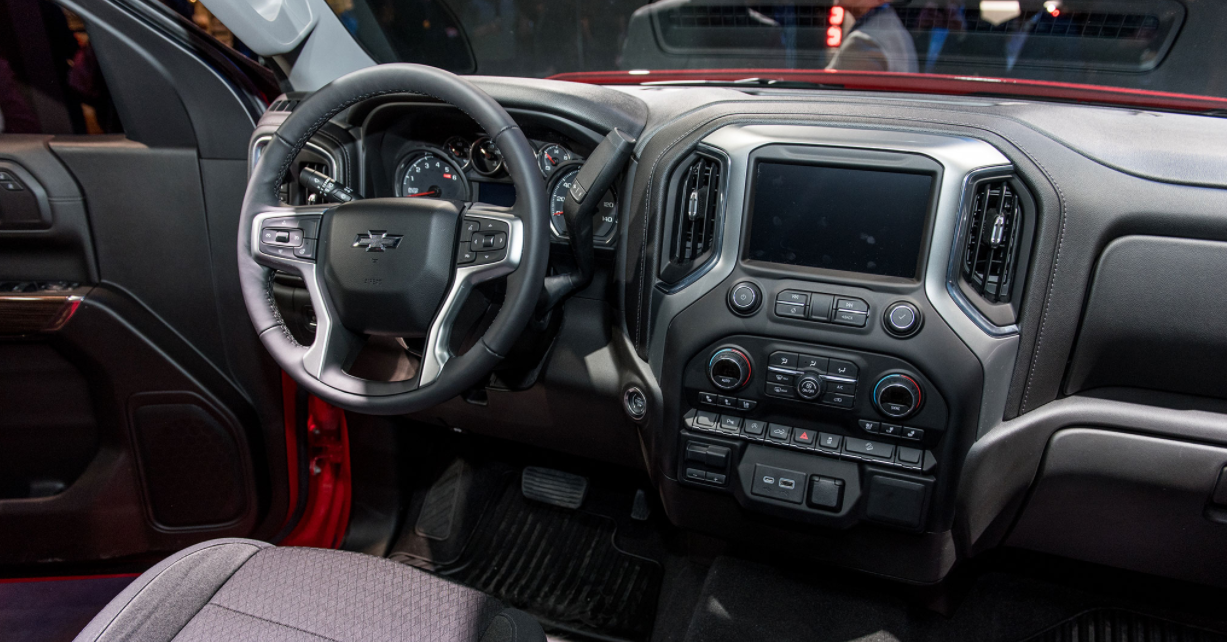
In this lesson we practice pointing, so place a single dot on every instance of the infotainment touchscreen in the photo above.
(839, 218)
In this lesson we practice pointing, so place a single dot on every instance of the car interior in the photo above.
(720, 321)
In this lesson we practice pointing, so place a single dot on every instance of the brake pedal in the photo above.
(553, 487)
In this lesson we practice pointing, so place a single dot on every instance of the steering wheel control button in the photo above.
(306, 250)
(486, 258)
(902, 319)
(897, 396)
(871, 449)
(809, 387)
(465, 255)
(729, 369)
(745, 298)
(778, 483)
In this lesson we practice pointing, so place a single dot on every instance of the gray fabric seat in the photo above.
(237, 589)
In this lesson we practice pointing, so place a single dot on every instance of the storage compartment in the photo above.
(1154, 319)
(1135, 502)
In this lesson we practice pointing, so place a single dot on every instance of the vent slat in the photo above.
(694, 216)
(988, 267)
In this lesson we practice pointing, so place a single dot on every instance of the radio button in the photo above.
(792, 296)
(790, 310)
(820, 306)
(848, 317)
(853, 305)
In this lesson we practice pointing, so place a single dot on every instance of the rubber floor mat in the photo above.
(563, 566)
(1118, 625)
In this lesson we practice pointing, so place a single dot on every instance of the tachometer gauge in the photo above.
(607, 211)
(457, 150)
(550, 157)
(432, 176)
(486, 157)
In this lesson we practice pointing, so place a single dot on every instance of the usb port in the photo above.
(787, 483)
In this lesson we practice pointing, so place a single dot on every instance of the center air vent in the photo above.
(694, 208)
(990, 251)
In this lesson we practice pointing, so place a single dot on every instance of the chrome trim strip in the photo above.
(952, 274)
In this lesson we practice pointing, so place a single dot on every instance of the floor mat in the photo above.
(53, 610)
(1119, 625)
(744, 601)
(564, 566)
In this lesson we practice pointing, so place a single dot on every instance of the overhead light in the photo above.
(997, 12)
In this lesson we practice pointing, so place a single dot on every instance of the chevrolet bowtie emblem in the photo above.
(377, 241)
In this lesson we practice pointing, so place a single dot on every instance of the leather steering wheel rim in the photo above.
(525, 266)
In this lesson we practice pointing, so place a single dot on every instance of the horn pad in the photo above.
(387, 263)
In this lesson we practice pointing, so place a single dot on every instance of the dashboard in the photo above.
(885, 331)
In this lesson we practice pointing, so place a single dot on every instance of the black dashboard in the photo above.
(865, 327)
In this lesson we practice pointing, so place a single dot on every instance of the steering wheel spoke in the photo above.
(286, 238)
(491, 246)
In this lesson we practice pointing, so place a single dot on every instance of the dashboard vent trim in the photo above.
(695, 223)
(990, 250)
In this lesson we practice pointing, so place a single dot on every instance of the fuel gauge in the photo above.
(457, 150)
(551, 156)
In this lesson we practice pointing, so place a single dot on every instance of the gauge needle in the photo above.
(429, 193)
(551, 159)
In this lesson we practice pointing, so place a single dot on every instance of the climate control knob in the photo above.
(729, 369)
(809, 387)
(897, 396)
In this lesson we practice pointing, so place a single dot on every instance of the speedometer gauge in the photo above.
(606, 214)
(432, 176)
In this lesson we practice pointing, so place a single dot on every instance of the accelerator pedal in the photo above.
(553, 487)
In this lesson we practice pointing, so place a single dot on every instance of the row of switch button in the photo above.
(803, 439)
(785, 370)
(891, 430)
(482, 241)
(698, 475)
(290, 237)
(732, 403)
(816, 306)
(11, 183)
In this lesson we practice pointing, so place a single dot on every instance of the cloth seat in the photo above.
(238, 589)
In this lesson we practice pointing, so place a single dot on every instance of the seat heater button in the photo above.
(726, 402)
(709, 398)
(865, 448)
(891, 430)
(915, 434)
(869, 426)
(778, 483)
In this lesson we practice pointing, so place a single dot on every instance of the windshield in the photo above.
(1153, 45)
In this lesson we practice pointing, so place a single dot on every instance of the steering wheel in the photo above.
(390, 266)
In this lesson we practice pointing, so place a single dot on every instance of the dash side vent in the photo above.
(694, 209)
(991, 247)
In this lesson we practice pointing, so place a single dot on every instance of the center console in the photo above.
(818, 371)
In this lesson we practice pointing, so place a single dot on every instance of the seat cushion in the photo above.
(236, 589)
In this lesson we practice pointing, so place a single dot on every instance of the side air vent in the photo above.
(993, 255)
(991, 248)
(694, 208)
(285, 104)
